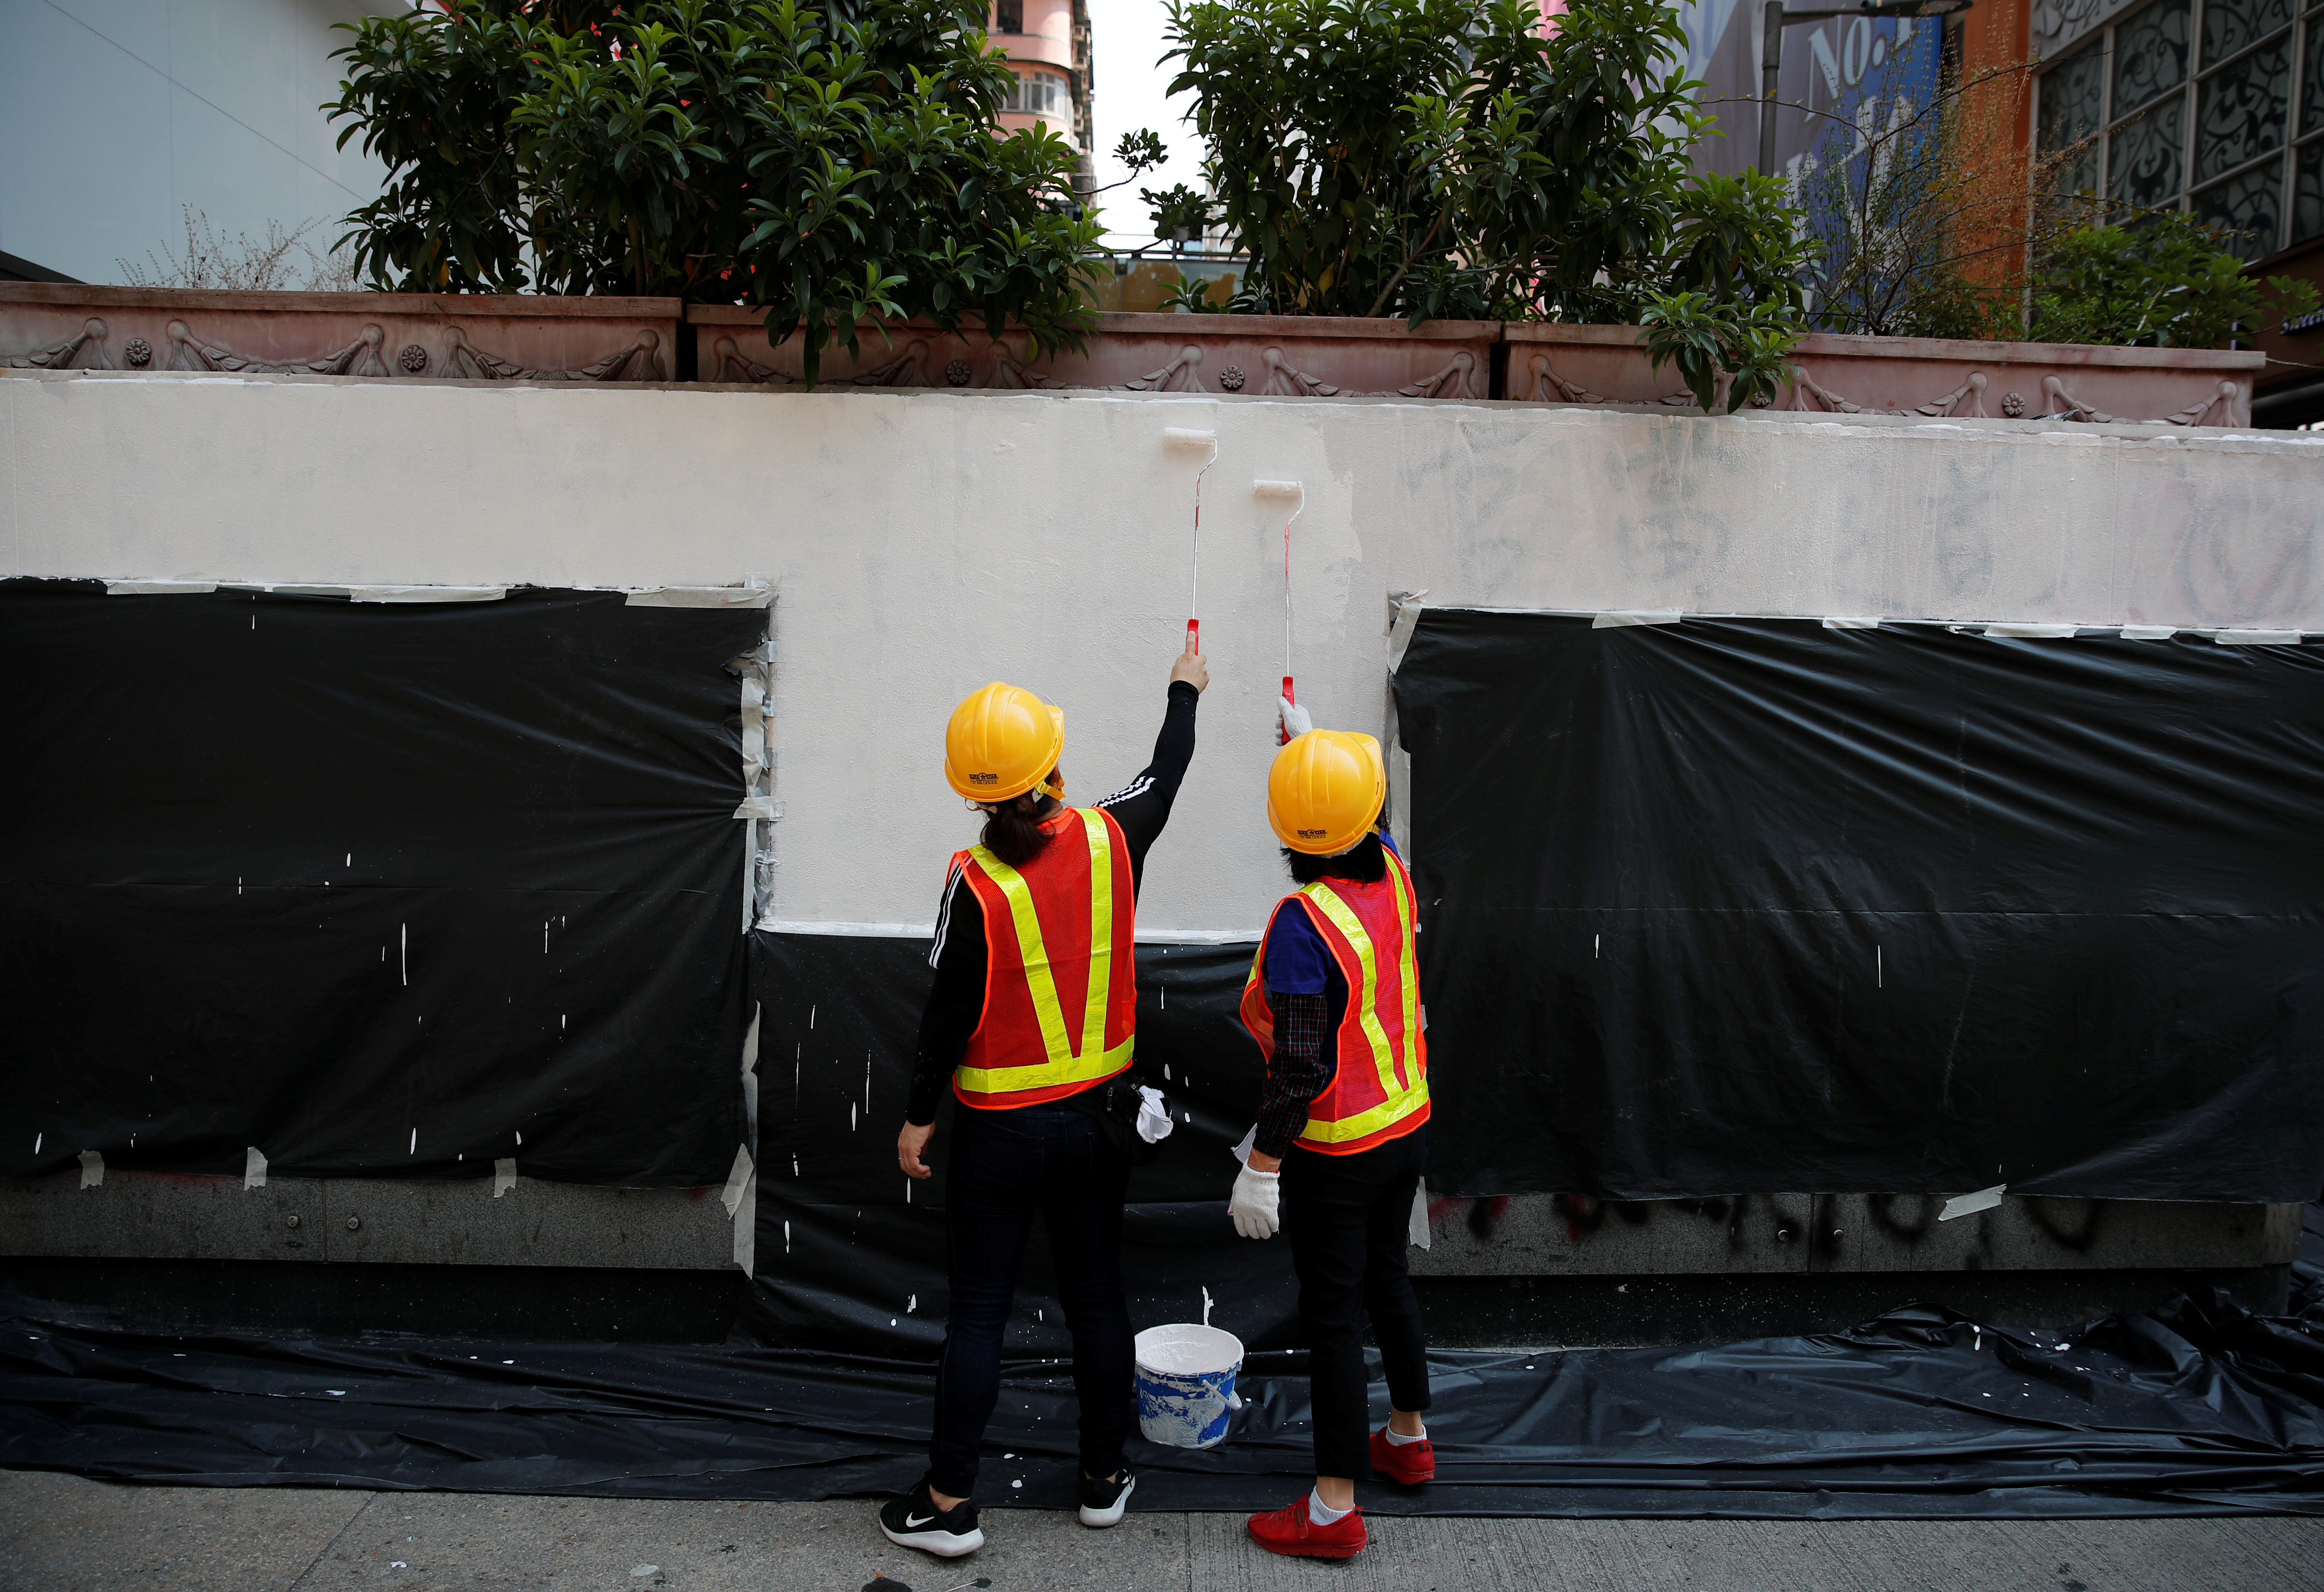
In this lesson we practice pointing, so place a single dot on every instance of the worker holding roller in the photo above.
(1336, 1156)
(1034, 1007)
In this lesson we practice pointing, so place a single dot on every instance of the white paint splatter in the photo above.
(787, 1237)
(1879, 976)
(36, 1141)
(415, 1143)
(1593, 946)
(913, 1304)
(811, 1019)
(1207, 1306)
(519, 1138)
(404, 954)
(851, 1117)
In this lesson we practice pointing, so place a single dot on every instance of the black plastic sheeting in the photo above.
(850, 1253)
(380, 889)
(2199, 1408)
(1742, 906)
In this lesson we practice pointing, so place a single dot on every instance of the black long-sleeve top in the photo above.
(957, 1001)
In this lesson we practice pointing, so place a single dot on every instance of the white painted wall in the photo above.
(117, 113)
(927, 543)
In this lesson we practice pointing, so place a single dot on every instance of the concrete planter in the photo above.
(1932, 376)
(387, 336)
(1286, 356)
(407, 337)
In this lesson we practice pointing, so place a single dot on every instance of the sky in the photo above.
(1126, 38)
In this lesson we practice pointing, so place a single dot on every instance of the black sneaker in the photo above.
(1103, 1502)
(914, 1521)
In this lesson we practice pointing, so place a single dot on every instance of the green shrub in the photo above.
(2168, 281)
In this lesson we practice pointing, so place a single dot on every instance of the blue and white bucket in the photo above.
(1185, 1384)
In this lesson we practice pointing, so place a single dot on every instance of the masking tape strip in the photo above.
(92, 1169)
(375, 593)
(157, 588)
(2149, 632)
(254, 1167)
(1406, 609)
(862, 930)
(751, 1081)
(425, 594)
(2034, 632)
(746, 1227)
(737, 1177)
(2258, 638)
(1615, 620)
(760, 807)
(702, 596)
(1842, 621)
(1961, 1204)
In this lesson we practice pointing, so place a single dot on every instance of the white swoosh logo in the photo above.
(911, 1525)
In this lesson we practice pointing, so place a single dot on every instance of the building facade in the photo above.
(2214, 106)
(1048, 43)
(122, 120)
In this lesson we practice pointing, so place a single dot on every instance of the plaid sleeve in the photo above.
(1299, 1072)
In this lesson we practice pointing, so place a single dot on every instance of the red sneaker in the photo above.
(1408, 1463)
(1289, 1531)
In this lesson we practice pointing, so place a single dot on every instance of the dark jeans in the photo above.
(1349, 1220)
(1005, 1166)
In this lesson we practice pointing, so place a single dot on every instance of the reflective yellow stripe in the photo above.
(1400, 1100)
(1066, 1063)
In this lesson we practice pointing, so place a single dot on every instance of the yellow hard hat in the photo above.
(1325, 791)
(1001, 741)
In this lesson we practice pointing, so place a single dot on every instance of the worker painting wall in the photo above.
(924, 545)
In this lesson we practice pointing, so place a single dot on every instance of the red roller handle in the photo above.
(1193, 635)
(1282, 738)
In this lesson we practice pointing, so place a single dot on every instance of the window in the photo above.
(2213, 106)
(1008, 16)
(1039, 93)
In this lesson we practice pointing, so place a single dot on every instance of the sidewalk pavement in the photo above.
(62, 1533)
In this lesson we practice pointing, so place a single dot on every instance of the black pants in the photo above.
(1004, 1167)
(1349, 1220)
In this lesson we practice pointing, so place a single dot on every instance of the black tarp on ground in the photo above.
(2199, 1408)
(851, 1259)
(376, 888)
(1739, 906)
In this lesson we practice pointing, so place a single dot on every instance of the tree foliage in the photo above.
(833, 165)
(1447, 158)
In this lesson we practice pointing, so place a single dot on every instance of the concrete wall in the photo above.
(117, 114)
(926, 543)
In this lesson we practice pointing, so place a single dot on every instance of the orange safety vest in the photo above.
(1060, 971)
(1378, 1089)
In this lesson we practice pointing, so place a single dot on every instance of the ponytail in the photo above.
(1014, 831)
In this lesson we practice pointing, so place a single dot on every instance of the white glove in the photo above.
(1294, 720)
(1154, 1123)
(1252, 1204)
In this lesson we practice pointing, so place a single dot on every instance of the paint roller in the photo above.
(1298, 494)
(1180, 437)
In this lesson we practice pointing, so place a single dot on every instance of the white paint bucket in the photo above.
(1185, 1384)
